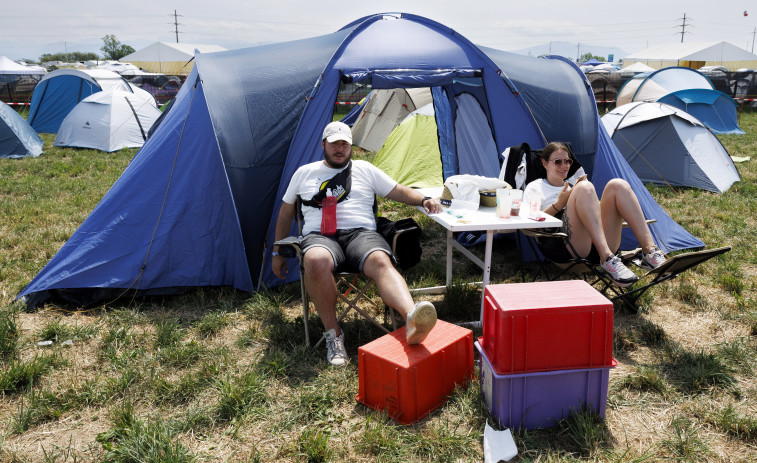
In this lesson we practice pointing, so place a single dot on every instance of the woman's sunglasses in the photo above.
(559, 162)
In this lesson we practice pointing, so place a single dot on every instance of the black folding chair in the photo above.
(673, 267)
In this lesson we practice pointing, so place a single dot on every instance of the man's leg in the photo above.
(392, 288)
(320, 285)
(390, 284)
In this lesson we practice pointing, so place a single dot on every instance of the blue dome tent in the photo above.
(59, 91)
(197, 205)
(686, 89)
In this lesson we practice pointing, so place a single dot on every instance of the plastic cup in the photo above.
(503, 203)
(516, 197)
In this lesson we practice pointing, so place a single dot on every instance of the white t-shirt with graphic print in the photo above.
(354, 212)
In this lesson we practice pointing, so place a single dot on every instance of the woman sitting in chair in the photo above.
(593, 226)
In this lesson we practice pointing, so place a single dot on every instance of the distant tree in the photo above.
(587, 56)
(113, 49)
(68, 57)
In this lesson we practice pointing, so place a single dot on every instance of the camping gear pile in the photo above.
(546, 352)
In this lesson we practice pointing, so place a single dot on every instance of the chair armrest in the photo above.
(543, 233)
(289, 246)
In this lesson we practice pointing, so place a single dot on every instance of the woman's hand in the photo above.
(562, 197)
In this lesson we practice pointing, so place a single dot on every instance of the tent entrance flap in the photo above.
(407, 78)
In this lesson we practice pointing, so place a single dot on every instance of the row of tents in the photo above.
(197, 205)
(94, 108)
(664, 145)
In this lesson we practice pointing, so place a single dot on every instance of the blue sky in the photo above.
(29, 29)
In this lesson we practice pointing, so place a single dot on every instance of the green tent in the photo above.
(410, 155)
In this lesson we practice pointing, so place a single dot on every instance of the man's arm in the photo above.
(283, 227)
(412, 197)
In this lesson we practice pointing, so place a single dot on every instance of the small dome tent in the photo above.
(180, 215)
(109, 121)
(410, 155)
(686, 89)
(59, 91)
(667, 146)
(17, 138)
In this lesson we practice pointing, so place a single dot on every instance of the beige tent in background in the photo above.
(694, 55)
(383, 111)
(168, 58)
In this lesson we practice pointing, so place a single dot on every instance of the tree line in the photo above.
(112, 49)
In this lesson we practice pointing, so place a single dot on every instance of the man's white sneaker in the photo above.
(336, 353)
(653, 259)
(619, 273)
(420, 322)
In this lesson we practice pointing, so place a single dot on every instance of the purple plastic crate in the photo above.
(539, 400)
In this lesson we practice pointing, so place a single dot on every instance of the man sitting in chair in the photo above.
(593, 226)
(356, 246)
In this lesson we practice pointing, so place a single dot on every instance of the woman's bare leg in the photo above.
(619, 203)
(585, 221)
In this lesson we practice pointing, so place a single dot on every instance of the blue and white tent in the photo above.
(197, 206)
(668, 146)
(59, 91)
(686, 89)
(17, 138)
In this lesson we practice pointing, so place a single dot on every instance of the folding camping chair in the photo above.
(673, 267)
(352, 287)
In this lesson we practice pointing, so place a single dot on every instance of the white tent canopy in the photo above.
(109, 121)
(167, 57)
(694, 54)
(8, 66)
(636, 68)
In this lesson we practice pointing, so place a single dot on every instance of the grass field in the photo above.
(220, 375)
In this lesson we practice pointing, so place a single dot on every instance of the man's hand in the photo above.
(432, 206)
(279, 266)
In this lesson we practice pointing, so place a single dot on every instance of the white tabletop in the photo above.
(485, 218)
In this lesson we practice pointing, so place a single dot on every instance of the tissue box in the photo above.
(543, 326)
(539, 400)
(409, 381)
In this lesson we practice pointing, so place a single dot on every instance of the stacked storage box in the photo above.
(409, 381)
(546, 350)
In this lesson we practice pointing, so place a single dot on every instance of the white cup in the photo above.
(503, 203)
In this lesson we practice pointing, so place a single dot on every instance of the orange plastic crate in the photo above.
(411, 381)
(543, 326)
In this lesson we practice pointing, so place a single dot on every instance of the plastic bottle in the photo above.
(328, 214)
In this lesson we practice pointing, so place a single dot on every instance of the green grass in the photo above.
(219, 375)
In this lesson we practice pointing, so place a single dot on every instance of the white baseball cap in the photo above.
(337, 131)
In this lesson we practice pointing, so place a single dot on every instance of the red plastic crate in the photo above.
(409, 381)
(544, 326)
(541, 399)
